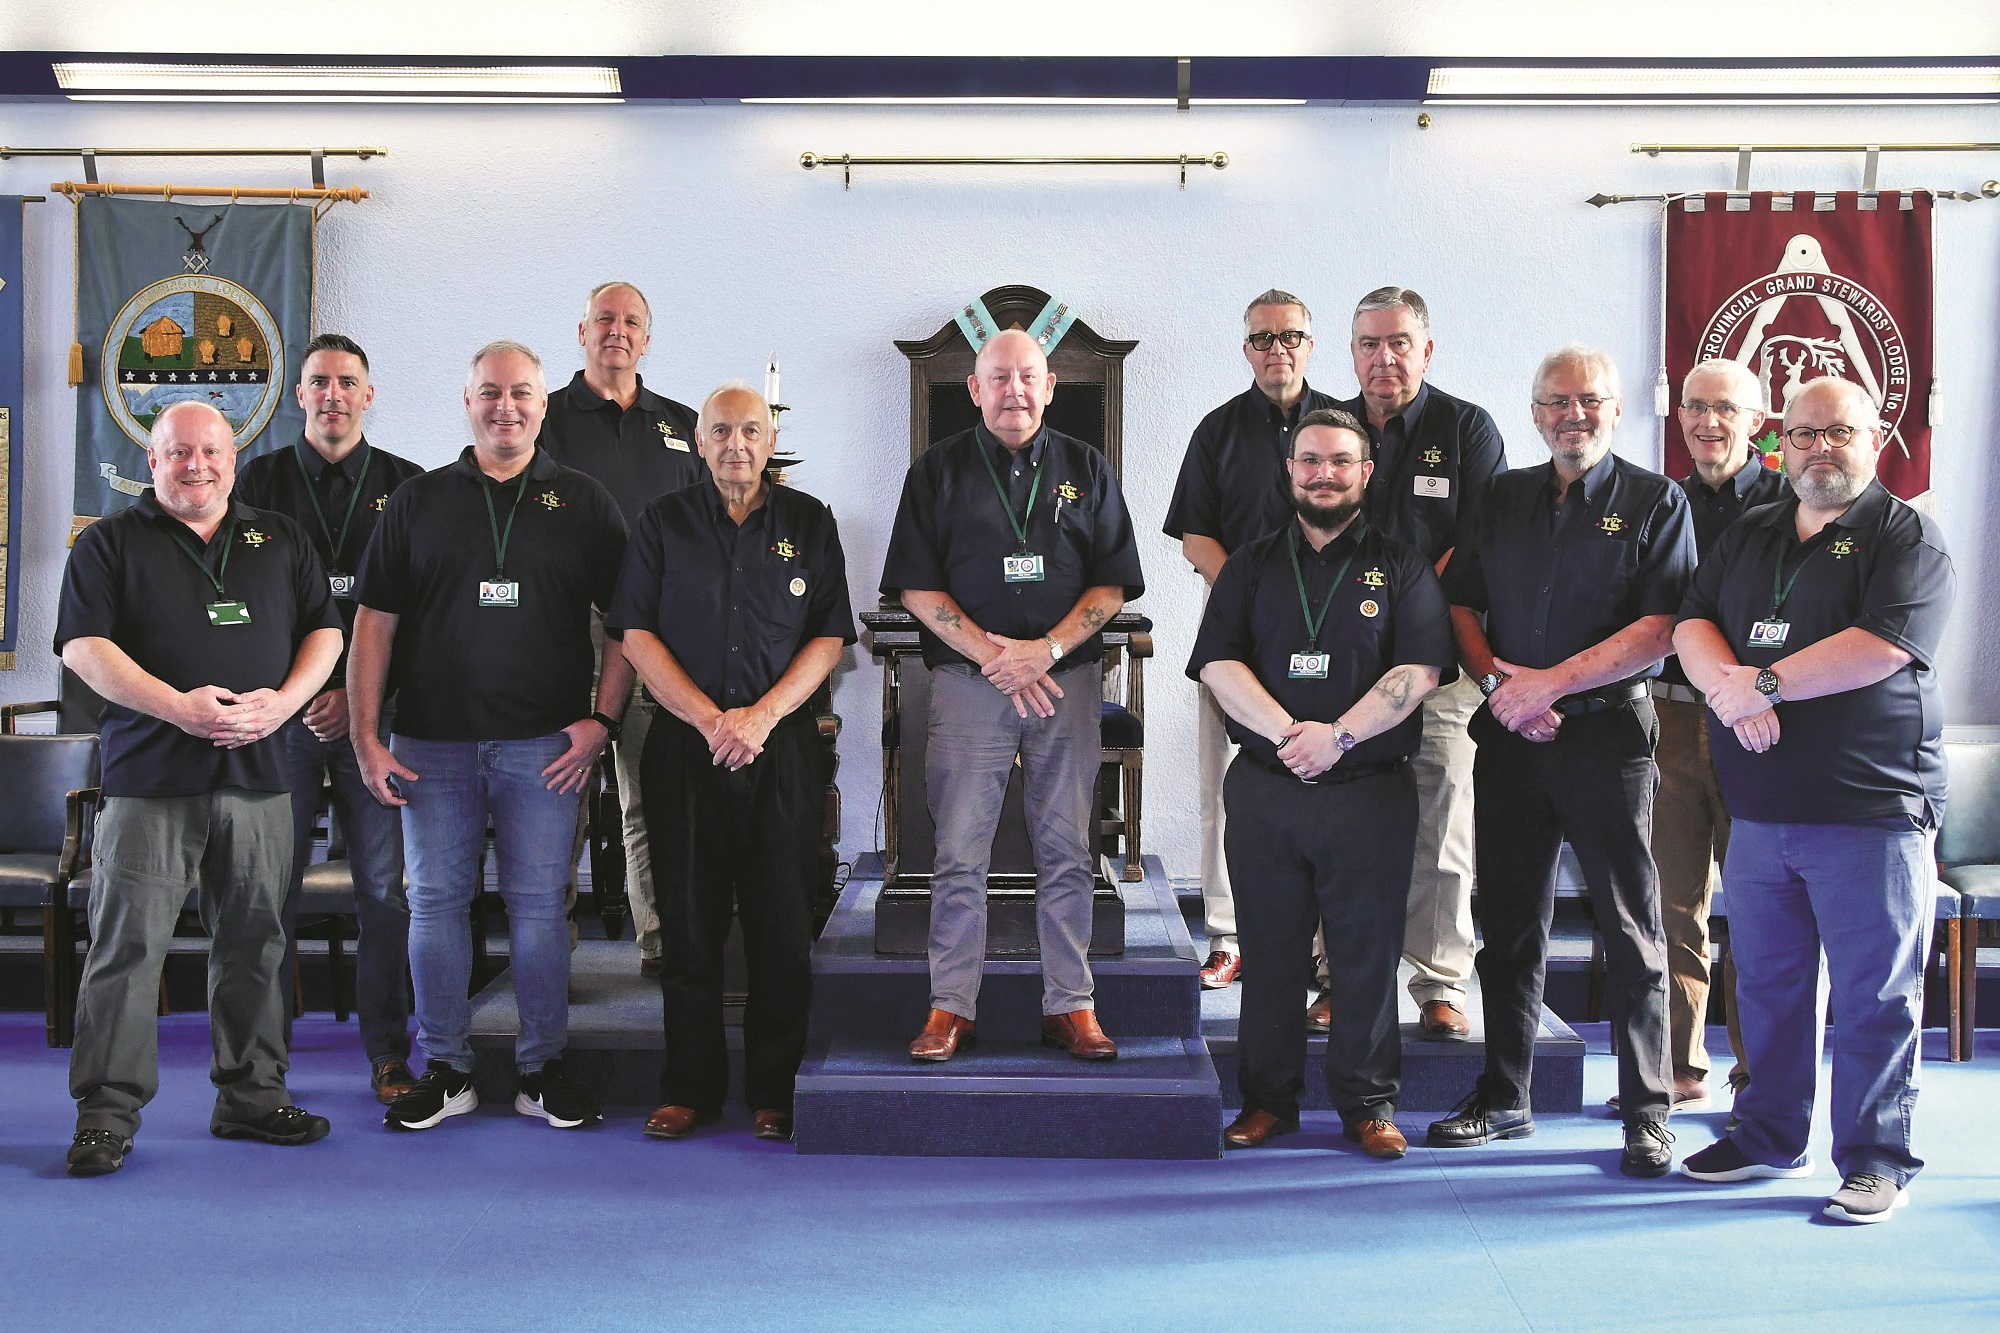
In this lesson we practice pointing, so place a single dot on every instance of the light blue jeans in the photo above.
(1863, 893)
(460, 785)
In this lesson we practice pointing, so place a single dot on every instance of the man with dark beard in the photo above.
(1320, 642)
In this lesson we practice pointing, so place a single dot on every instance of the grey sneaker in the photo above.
(1864, 1197)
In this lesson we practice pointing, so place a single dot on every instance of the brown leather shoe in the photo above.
(1319, 1014)
(1077, 1032)
(1689, 1094)
(649, 967)
(1254, 1129)
(944, 1032)
(675, 1122)
(391, 1078)
(1378, 1138)
(1221, 968)
(1443, 1020)
(773, 1125)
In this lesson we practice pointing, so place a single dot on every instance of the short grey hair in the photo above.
(1747, 387)
(502, 347)
(1276, 296)
(1392, 298)
(1335, 419)
(729, 386)
(1594, 361)
(614, 285)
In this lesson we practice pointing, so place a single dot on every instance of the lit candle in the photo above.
(771, 380)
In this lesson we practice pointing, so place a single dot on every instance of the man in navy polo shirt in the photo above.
(1563, 596)
(1813, 629)
(1321, 640)
(733, 607)
(475, 607)
(1013, 548)
(607, 423)
(1232, 490)
(334, 483)
(205, 624)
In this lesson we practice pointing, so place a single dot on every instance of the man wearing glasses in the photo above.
(1563, 596)
(1321, 640)
(1433, 456)
(1721, 411)
(1813, 630)
(1233, 489)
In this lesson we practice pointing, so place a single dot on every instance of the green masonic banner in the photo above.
(184, 300)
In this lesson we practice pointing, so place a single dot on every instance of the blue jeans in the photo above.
(460, 785)
(374, 837)
(1862, 892)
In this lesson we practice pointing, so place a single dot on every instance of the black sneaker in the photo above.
(1722, 1162)
(1473, 1122)
(440, 1093)
(1649, 1149)
(549, 1094)
(97, 1152)
(288, 1127)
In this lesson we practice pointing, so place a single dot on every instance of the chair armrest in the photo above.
(829, 726)
(1140, 644)
(12, 711)
(79, 823)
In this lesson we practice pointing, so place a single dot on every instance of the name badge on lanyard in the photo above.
(1308, 666)
(228, 613)
(342, 586)
(1768, 633)
(1021, 568)
(499, 592)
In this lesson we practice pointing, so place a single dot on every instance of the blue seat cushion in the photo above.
(1978, 885)
(1122, 731)
(25, 878)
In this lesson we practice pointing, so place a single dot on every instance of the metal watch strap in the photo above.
(1055, 649)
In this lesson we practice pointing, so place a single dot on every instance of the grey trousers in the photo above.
(974, 738)
(236, 847)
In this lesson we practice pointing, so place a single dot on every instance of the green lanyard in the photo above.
(213, 575)
(1781, 587)
(1313, 627)
(335, 545)
(500, 538)
(1020, 525)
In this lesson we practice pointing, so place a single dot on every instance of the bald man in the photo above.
(206, 625)
(1012, 548)
(1812, 628)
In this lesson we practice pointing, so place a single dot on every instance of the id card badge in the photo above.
(1308, 666)
(342, 586)
(1769, 634)
(498, 593)
(1438, 488)
(1021, 568)
(228, 613)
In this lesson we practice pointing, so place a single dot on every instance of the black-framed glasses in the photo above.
(1805, 437)
(1589, 402)
(1725, 410)
(1291, 338)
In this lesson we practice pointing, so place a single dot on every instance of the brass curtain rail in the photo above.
(848, 161)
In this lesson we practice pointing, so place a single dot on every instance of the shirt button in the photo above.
(735, 649)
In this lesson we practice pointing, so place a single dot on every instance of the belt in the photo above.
(1680, 694)
(1338, 774)
(1577, 705)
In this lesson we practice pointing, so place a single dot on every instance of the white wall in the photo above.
(487, 222)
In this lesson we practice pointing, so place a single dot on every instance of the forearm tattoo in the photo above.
(1396, 687)
(946, 616)
(1093, 618)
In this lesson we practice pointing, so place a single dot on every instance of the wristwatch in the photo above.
(609, 724)
(1490, 682)
(1344, 738)
(1055, 649)
(1768, 683)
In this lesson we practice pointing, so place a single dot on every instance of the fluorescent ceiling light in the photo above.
(325, 82)
(1574, 83)
(448, 99)
(1019, 101)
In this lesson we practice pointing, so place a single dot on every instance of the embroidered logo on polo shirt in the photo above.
(1613, 524)
(1068, 492)
(550, 500)
(1432, 456)
(252, 537)
(668, 438)
(381, 503)
(785, 549)
(1373, 579)
(1840, 546)
(1370, 609)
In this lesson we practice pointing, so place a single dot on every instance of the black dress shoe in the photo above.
(1649, 1149)
(1473, 1122)
(97, 1152)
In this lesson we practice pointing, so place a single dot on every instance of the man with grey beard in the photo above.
(1813, 631)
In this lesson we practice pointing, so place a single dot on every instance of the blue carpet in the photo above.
(496, 1222)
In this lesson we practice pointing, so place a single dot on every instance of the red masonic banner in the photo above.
(1798, 286)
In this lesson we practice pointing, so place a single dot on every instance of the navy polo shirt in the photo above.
(1432, 462)
(734, 603)
(1233, 487)
(1390, 611)
(466, 672)
(952, 534)
(131, 580)
(1559, 573)
(291, 481)
(639, 452)
(1715, 508)
(1866, 754)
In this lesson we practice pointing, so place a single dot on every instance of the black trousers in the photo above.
(1299, 855)
(1591, 787)
(747, 840)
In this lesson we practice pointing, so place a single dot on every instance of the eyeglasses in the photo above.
(1725, 410)
(1836, 437)
(1562, 402)
(1291, 338)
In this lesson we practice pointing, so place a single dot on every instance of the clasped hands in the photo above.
(1308, 749)
(229, 719)
(1020, 670)
(737, 737)
(1525, 700)
(1746, 710)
